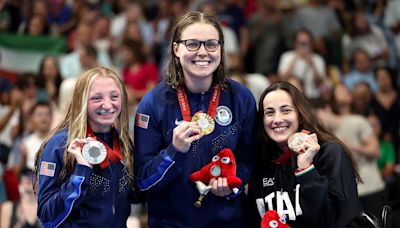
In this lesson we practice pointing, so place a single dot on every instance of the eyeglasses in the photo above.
(194, 45)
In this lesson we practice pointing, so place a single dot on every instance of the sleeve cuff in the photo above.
(175, 155)
(301, 172)
(234, 195)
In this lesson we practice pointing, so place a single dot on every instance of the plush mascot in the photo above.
(272, 219)
(222, 165)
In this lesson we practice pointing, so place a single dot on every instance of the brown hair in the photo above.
(174, 72)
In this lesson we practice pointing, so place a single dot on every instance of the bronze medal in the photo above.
(205, 122)
(296, 140)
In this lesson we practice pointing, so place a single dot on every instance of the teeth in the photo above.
(280, 129)
(104, 112)
(203, 63)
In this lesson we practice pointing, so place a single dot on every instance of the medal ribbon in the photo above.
(114, 155)
(184, 103)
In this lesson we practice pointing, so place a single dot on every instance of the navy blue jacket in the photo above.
(164, 172)
(90, 198)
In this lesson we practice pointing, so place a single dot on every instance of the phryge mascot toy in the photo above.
(222, 165)
(272, 219)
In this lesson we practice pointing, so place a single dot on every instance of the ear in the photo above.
(175, 48)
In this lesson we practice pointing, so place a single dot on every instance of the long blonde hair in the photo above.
(76, 122)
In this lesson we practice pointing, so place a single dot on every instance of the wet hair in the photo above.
(174, 72)
(308, 120)
(76, 123)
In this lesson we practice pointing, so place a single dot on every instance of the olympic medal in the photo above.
(295, 141)
(205, 122)
(94, 152)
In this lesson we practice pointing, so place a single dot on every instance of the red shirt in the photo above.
(139, 79)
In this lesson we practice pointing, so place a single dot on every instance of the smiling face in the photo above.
(104, 104)
(281, 118)
(200, 64)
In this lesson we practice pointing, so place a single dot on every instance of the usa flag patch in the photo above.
(142, 120)
(47, 168)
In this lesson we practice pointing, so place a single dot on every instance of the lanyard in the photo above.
(184, 103)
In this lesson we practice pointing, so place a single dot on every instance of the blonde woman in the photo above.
(71, 191)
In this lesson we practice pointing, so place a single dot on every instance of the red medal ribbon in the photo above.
(184, 103)
(114, 155)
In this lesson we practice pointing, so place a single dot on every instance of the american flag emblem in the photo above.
(142, 120)
(47, 168)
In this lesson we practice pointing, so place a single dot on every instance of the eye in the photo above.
(95, 98)
(225, 160)
(212, 44)
(114, 97)
(192, 44)
(215, 158)
(273, 224)
(268, 113)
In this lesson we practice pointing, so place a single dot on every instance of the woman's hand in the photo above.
(75, 148)
(184, 134)
(308, 149)
(220, 187)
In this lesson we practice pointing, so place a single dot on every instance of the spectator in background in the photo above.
(391, 20)
(88, 57)
(22, 213)
(132, 12)
(361, 70)
(362, 96)
(357, 134)
(40, 120)
(269, 34)
(230, 14)
(366, 36)
(302, 62)
(139, 72)
(11, 100)
(316, 16)
(385, 104)
(70, 64)
(37, 25)
(49, 80)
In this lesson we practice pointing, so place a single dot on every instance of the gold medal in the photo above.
(205, 122)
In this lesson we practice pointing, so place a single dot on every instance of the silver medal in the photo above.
(94, 152)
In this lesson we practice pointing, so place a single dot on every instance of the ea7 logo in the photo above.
(268, 181)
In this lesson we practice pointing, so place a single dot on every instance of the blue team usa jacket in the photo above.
(164, 172)
(90, 198)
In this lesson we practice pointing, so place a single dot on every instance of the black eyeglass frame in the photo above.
(201, 43)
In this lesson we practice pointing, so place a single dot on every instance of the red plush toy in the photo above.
(272, 219)
(222, 165)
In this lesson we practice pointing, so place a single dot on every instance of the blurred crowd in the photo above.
(343, 55)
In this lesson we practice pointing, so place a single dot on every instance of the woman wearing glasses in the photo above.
(187, 119)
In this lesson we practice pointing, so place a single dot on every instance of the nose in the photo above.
(107, 104)
(202, 50)
(278, 117)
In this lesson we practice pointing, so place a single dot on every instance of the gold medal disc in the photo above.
(205, 122)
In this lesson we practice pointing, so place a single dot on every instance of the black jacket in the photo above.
(327, 195)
